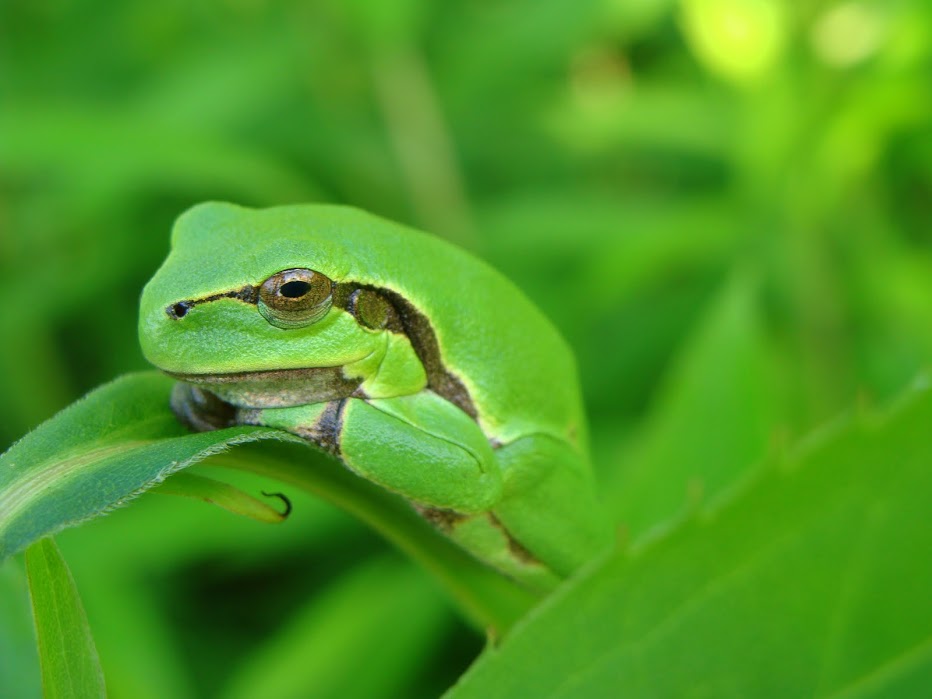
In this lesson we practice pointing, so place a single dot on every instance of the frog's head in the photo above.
(253, 305)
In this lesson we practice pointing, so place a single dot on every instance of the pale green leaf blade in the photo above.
(712, 422)
(122, 439)
(813, 581)
(67, 655)
(98, 453)
(226, 496)
(19, 662)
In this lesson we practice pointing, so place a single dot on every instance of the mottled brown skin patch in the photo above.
(444, 520)
(328, 427)
(355, 299)
(293, 386)
(202, 411)
(514, 546)
(447, 520)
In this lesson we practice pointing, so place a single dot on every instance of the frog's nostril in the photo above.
(179, 310)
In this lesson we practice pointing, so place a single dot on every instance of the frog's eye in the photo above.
(294, 298)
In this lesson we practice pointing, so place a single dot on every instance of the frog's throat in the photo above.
(277, 388)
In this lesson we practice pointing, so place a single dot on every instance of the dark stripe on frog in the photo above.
(447, 521)
(415, 325)
(344, 295)
(326, 430)
(405, 320)
(514, 546)
(444, 520)
(247, 294)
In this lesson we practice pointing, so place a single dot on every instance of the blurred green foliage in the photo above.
(725, 205)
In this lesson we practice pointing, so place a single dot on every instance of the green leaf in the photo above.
(70, 666)
(712, 422)
(122, 439)
(224, 495)
(814, 581)
(19, 662)
(97, 454)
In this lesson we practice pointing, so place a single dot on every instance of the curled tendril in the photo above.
(283, 498)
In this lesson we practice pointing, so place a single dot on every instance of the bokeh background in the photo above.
(725, 206)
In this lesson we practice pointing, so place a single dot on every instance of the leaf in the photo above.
(814, 581)
(70, 666)
(122, 439)
(19, 662)
(224, 495)
(97, 454)
(712, 422)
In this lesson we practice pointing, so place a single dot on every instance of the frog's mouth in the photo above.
(276, 388)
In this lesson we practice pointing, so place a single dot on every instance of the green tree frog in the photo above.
(417, 365)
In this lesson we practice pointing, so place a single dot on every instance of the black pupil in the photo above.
(295, 289)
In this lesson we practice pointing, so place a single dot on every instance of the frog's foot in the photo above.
(201, 410)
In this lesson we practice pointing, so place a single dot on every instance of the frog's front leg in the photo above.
(420, 446)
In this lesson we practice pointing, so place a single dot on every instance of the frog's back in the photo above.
(518, 370)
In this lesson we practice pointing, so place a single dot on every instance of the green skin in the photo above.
(418, 366)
